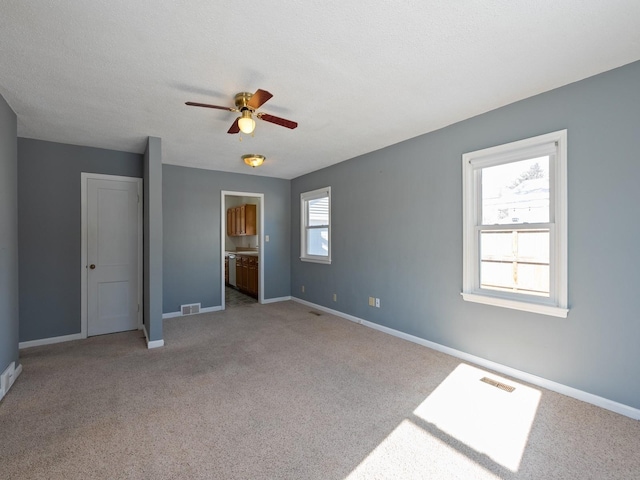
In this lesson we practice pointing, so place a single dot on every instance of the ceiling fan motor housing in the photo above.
(242, 99)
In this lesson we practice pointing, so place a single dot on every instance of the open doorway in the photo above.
(241, 248)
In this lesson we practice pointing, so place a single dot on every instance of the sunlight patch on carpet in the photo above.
(490, 420)
(410, 453)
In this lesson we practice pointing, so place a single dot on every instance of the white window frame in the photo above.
(472, 165)
(305, 197)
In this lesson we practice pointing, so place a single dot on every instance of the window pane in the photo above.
(497, 245)
(318, 241)
(318, 211)
(515, 261)
(497, 275)
(516, 192)
(533, 246)
(533, 279)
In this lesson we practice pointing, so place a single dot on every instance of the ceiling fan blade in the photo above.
(259, 98)
(277, 120)
(235, 128)
(195, 104)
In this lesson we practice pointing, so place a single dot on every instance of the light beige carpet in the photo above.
(275, 392)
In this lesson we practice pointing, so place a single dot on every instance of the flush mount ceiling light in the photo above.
(253, 160)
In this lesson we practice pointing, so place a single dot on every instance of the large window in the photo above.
(515, 225)
(315, 207)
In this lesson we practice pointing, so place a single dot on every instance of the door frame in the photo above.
(84, 304)
(223, 232)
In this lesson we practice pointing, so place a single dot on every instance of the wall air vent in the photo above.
(501, 386)
(190, 309)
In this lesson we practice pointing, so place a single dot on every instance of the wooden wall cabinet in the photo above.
(241, 220)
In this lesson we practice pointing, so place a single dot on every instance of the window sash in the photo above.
(307, 210)
(477, 176)
(319, 242)
(536, 295)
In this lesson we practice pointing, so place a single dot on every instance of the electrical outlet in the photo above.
(266, 238)
(302, 288)
(335, 297)
(377, 303)
(372, 301)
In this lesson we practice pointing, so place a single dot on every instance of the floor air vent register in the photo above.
(190, 309)
(501, 386)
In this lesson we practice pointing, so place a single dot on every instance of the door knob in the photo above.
(92, 266)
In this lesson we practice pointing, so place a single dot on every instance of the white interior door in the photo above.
(113, 250)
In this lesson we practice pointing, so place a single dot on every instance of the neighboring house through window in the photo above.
(515, 225)
(315, 207)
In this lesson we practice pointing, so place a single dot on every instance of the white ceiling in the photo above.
(357, 76)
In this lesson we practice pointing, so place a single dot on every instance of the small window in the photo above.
(515, 228)
(315, 244)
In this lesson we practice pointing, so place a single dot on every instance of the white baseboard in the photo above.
(329, 310)
(154, 343)
(217, 308)
(275, 300)
(49, 341)
(4, 389)
(605, 403)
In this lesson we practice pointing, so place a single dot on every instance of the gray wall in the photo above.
(152, 165)
(397, 235)
(8, 237)
(49, 230)
(191, 206)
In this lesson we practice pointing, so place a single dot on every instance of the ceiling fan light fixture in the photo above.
(253, 160)
(247, 104)
(246, 124)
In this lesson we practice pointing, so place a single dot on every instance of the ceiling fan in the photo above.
(247, 104)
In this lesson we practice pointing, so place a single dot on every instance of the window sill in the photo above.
(516, 305)
(326, 261)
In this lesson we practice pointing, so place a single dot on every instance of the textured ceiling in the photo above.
(356, 77)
